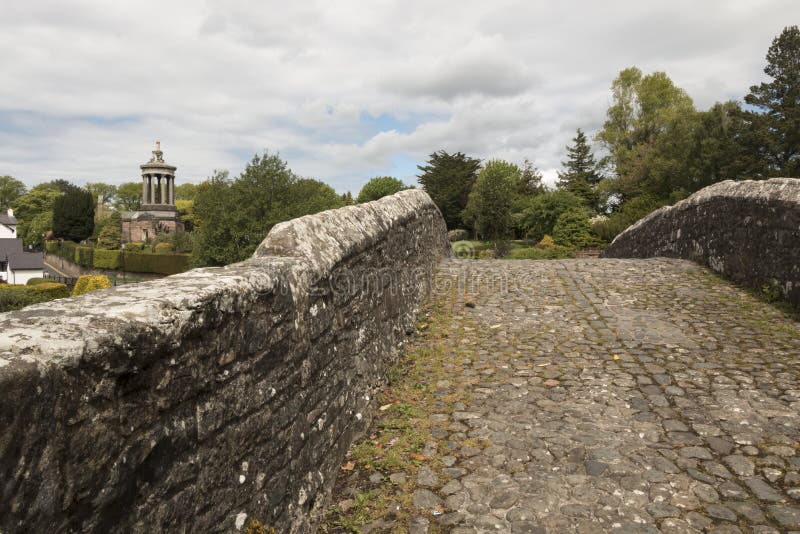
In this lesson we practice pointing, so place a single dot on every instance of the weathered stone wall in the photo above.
(200, 401)
(748, 231)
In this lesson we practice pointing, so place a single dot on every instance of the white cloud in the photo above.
(344, 90)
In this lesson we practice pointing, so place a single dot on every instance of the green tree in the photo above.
(63, 185)
(448, 179)
(213, 233)
(312, 196)
(379, 187)
(129, 196)
(648, 134)
(73, 215)
(541, 215)
(34, 212)
(108, 191)
(110, 236)
(186, 191)
(530, 183)
(488, 210)
(580, 175)
(10, 190)
(347, 198)
(775, 124)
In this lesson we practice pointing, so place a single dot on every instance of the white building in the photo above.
(16, 265)
(8, 225)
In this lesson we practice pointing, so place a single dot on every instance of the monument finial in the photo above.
(158, 156)
(158, 145)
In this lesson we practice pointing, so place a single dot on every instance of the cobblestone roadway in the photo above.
(617, 395)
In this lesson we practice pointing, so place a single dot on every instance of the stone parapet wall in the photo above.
(200, 401)
(748, 231)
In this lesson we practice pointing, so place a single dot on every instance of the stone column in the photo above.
(152, 189)
(163, 184)
(144, 189)
(171, 183)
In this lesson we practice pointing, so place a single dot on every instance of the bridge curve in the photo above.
(747, 230)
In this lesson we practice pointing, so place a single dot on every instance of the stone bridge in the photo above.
(630, 395)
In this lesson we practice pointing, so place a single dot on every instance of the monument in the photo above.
(158, 213)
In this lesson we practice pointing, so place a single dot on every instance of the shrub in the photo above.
(164, 248)
(84, 255)
(51, 246)
(14, 297)
(555, 252)
(110, 237)
(107, 259)
(134, 246)
(141, 262)
(89, 283)
(546, 242)
(572, 229)
(62, 249)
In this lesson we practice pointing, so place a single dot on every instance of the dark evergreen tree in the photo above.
(775, 126)
(448, 179)
(580, 175)
(530, 180)
(73, 214)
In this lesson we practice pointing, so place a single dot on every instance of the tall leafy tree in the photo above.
(448, 179)
(647, 134)
(488, 210)
(213, 233)
(129, 196)
(73, 215)
(10, 190)
(775, 122)
(186, 191)
(34, 212)
(379, 187)
(108, 191)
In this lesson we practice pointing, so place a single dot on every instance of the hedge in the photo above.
(14, 297)
(89, 283)
(164, 248)
(62, 249)
(139, 262)
(107, 259)
(37, 281)
(83, 256)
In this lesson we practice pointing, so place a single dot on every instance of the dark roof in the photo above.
(25, 260)
(17, 257)
(9, 221)
(9, 246)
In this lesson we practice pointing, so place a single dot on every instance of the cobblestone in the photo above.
(613, 396)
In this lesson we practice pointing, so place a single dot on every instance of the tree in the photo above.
(775, 124)
(580, 174)
(213, 234)
(63, 185)
(379, 187)
(186, 191)
(34, 212)
(448, 179)
(233, 217)
(73, 215)
(648, 134)
(488, 209)
(129, 196)
(530, 183)
(110, 236)
(10, 190)
(108, 191)
(541, 215)
(312, 196)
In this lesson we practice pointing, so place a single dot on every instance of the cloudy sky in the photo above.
(344, 90)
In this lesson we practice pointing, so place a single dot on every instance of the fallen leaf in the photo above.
(385, 407)
(420, 457)
(373, 436)
(348, 466)
(616, 357)
(498, 325)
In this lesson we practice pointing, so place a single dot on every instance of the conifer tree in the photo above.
(580, 174)
(775, 126)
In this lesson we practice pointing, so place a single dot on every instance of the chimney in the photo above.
(10, 212)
